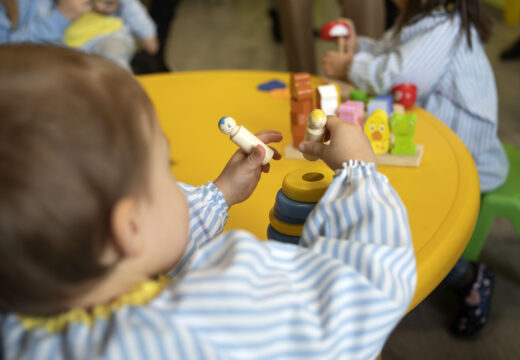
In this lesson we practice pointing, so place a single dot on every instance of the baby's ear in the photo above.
(127, 227)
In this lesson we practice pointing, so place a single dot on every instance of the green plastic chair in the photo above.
(502, 202)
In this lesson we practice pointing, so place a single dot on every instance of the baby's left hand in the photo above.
(242, 173)
(335, 64)
(150, 45)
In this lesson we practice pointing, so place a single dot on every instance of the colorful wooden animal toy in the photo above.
(378, 132)
(403, 129)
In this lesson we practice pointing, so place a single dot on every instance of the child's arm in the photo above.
(421, 60)
(339, 297)
(49, 29)
(136, 17)
(209, 203)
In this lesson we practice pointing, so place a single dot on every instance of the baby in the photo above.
(103, 254)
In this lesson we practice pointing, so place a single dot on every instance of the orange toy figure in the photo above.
(378, 132)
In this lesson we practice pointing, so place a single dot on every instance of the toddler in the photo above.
(104, 255)
(437, 45)
(102, 27)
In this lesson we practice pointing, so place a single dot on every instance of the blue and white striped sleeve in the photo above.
(208, 211)
(339, 295)
(136, 17)
(361, 207)
(422, 59)
(371, 46)
(49, 29)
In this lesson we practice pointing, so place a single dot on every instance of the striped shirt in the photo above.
(455, 83)
(336, 296)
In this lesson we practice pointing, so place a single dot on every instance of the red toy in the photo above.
(336, 30)
(405, 94)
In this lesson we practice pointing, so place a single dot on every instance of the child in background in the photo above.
(109, 30)
(437, 45)
(47, 21)
(117, 260)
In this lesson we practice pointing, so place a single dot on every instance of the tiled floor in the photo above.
(235, 34)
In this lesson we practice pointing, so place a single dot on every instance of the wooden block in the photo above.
(301, 106)
(290, 152)
(298, 134)
(402, 160)
(299, 119)
(300, 86)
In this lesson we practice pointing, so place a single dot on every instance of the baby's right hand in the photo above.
(347, 142)
(73, 9)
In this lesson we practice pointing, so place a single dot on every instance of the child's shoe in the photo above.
(475, 303)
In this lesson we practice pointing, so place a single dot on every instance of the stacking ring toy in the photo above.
(284, 227)
(307, 184)
(291, 208)
(281, 216)
(275, 235)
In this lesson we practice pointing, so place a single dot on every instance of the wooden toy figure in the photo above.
(376, 128)
(243, 137)
(315, 129)
(405, 94)
(403, 128)
(327, 98)
(336, 30)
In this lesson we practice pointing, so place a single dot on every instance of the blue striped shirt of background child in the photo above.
(81, 265)
(437, 45)
(107, 28)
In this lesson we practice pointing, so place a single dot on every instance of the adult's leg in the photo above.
(163, 12)
(368, 15)
(298, 38)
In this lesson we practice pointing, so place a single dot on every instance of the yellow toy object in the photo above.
(378, 131)
(89, 26)
(307, 184)
(315, 129)
(284, 227)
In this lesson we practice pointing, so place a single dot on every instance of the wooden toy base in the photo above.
(290, 152)
(402, 160)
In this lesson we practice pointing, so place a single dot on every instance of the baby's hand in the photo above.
(239, 178)
(335, 64)
(347, 142)
(150, 45)
(73, 9)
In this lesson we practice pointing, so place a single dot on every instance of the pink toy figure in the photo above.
(243, 137)
(315, 129)
(352, 112)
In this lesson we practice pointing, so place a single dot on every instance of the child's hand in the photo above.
(352, 42)
(347, 142)
(150, 45)
(239, 178)
(335, 64)
(73, 9)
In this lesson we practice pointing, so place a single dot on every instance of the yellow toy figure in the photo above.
(378, 132)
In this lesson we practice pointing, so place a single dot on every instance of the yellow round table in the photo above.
(442, 195)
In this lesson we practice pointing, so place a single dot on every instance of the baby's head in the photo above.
(85, 185)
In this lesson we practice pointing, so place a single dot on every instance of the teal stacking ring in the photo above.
(281, 216)
(275, 235)
(293, 209)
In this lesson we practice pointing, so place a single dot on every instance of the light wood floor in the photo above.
(235, 34)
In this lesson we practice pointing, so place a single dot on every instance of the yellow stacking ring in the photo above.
(307, 184)
(284, 227)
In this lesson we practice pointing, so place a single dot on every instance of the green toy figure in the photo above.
(403, 129)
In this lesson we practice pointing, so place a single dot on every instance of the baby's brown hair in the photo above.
(72, 143)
